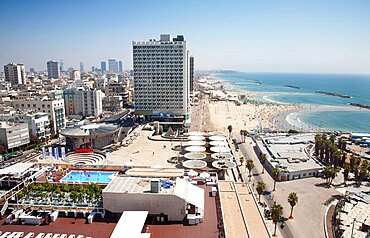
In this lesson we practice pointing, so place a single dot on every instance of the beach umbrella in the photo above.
(196, 138)
(195, 142)
(220, 138)
(218, 143)
(196, 133)
(219, 149)
(194, 155)
(195, 149)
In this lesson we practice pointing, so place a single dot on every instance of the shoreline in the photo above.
(271, 115)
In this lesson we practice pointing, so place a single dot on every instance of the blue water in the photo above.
(88, 177)
(272, 86)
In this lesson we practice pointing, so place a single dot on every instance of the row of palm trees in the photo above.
(328, 152)
(334, 155)
(277, 209)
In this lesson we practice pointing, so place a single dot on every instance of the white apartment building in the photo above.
(15, 74)
(75, 75)
(161, 83)
(38, 123)
(53, 108)
(13, 135)
(83, 102)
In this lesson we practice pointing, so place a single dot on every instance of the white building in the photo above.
(53, 108)
(182, 200)
(38, 123)
(161, 83)
(83, 102)
(13, 135)
(53, 69)
(75, 75)
(15, 74)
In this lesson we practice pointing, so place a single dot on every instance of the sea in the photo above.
(325, 112)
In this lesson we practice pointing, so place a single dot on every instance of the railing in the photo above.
(20, 186)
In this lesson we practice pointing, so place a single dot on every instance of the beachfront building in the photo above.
(290, 153)
(13, 135)
(15, 74)
(173, 201)
(161, 83)
(53, 108)
(83, 102)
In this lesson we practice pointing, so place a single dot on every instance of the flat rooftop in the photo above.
(289, 152)
(208, 228)
(155, 172)
(132, 185)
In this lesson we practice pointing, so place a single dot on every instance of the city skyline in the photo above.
(315, 37)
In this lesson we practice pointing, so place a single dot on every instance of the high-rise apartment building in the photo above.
(191, 73)
(161, 83)
(112, 65)
(53, 69)
(82, 67)
(103, 66)
(61, 67)
(120, 66)
(15, 73)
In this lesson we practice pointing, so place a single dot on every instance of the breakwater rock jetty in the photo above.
(333, 94)
(360, 105)
(291, 86)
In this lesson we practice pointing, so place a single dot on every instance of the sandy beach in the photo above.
(249, 116)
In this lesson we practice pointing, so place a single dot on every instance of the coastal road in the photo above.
(308, 213)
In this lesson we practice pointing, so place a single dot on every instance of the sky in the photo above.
(331, 36)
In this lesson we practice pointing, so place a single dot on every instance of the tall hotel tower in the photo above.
(161, 83)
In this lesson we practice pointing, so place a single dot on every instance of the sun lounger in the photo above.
(29, 235)
(40, 235)
(72, 236)
(49, 235)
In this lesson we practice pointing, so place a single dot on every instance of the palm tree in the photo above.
(275, 176)
(241, 159)
(260, 188)
(347, 169)
(363, 171)
(263, 159)
(276, 214)
(245, 133)
(250, 166)
(230, 129)
(317, 144)
(293, 200)
(327, 173)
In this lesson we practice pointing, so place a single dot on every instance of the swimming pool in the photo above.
(88, 177)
